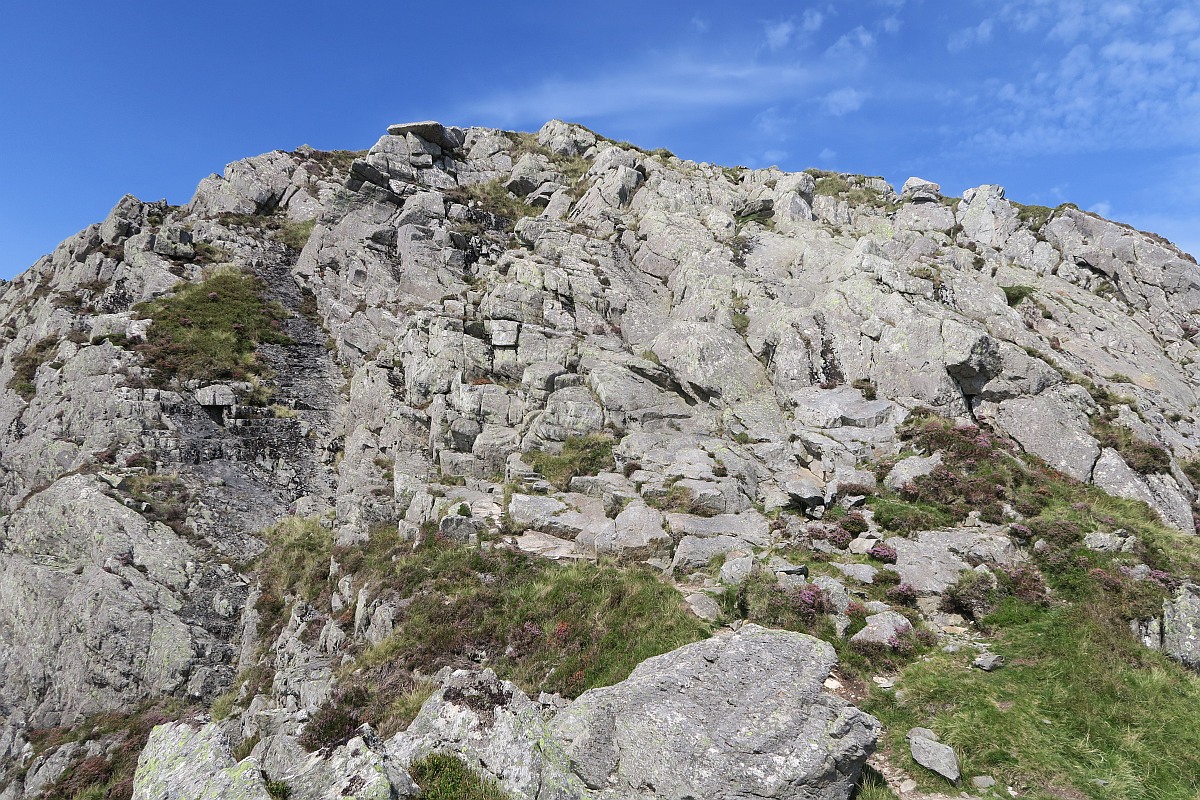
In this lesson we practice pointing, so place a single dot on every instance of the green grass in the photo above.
(1143, 457)
(1079, 700)
(581, 455)
(25, 366)
(209, 330)
(443, 776)
(294, 234)
(1013, 295)
(295, 564)
(1035, 217)
(493, 198)
(833, 184)
(545, 626)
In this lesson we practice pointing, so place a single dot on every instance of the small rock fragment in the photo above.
(988, 662)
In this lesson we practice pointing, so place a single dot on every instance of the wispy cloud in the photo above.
(778, 34)
(1129, 78)
(842, 101)
(700, 24)
(963, 38)
(680, 83)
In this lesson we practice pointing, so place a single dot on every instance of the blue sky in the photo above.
(1057, 100)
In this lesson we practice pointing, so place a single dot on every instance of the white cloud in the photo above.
(826, 156)
(852, 45)
(774, 124)
(779, 34)
(679, 85)
(1130, 78)
(700, 24)
(843, 101)
(963, 38)
(890, 25)
(812, 20)
(1103, 208)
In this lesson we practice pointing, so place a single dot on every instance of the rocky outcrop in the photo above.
(464, 313)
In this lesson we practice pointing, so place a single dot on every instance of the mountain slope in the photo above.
(226, 424)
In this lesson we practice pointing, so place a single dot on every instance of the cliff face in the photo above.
(375, 339)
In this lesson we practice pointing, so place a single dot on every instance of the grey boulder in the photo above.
(932, 754)
(742, 715)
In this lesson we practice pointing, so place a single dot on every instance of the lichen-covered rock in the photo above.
(740, 715)
(496, 729)
(1181, 627)
(360, 769)
(182, 761)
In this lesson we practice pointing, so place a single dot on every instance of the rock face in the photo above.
(760, 694)
(181, 762)
(457, 316)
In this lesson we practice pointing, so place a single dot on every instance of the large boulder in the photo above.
(741, 715)
(185, 762)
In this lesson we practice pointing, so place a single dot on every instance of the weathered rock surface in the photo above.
(758, 692)
(495, 726)
(182, 762)
(933, 755)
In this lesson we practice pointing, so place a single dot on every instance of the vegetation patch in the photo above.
(493, 198)
(161, 497)
(294, 566)
(108, 776)
(581, 455)
(545, 626)
(209, 330)
(1142, 457)
(291, 233)
(1013, 295)
(850, 188)
(442, 776)
(1035, 217)
(25, 366)
(1081, 709)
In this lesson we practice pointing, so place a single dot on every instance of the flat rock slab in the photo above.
(748, 525)
(694, 552)
(739, 715)
(935, 756)
(546, 546)
(863, 573)
(932, 562)
(181, 762)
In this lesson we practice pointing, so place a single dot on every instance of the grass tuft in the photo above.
(443, 776)
(581, 455)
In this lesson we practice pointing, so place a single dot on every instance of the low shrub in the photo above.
(596, 622)
(209, 330)
(25, 366)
